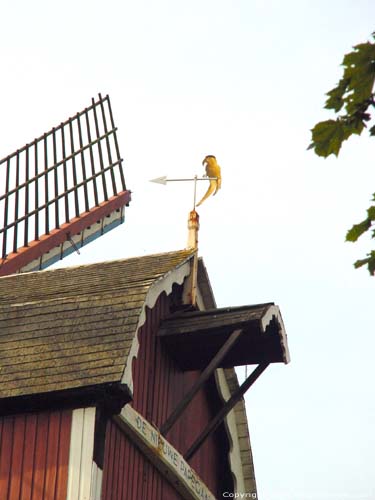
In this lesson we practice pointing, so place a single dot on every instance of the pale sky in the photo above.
(243, 80)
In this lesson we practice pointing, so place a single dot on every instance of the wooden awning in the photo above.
(194, 338)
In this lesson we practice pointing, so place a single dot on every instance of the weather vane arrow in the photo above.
(213, 174)
(164, 179)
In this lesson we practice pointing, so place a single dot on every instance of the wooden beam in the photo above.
(35, 249)
(204, 376)
(216, 421)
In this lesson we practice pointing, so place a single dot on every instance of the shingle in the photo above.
(73, 327)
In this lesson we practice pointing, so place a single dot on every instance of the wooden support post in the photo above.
(205, 375)
(216, 421)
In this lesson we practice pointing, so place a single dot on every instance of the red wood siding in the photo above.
(158, 386)
(34, 456)
(128, 474)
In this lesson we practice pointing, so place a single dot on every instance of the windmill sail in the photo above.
(61, 191)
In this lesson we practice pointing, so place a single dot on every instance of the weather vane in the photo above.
(213, 174)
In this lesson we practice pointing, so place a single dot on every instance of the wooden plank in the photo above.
(6, 445)
(16, 458)
(52, 454)
(204, 376)
(36, 249)
(29, 454)
(40, 456)
(63, 455)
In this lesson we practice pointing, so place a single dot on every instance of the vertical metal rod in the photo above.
(27, 175)
(56, 180)
(6, 201)
(108, 146)
(116, 145)
(65, 176)
(100, 151)
(195, 190)
(92, 159)
(46, 184)
(76, 202)
(83, 165)
(36, 191)
(16, 201)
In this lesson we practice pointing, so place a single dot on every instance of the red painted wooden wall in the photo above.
(158, 386)
(34, 456)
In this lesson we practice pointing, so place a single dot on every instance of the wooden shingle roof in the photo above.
(72, 328)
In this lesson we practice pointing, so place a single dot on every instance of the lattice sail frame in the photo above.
(58, 187)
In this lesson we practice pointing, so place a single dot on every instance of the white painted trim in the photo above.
(231, 428)
(81, 454)
(96, 482)
(274, 312)
(164, 284)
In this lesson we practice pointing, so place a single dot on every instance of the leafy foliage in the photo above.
(354, 98)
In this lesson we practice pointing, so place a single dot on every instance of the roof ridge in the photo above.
(188, 252)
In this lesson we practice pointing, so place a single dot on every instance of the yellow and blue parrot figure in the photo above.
(214, 172)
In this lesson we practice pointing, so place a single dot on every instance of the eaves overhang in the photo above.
(193, 338)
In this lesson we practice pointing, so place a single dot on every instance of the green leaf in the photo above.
(327, 137)
(357, 230)
(335, 100)
(359, 71)
(369, 262)
(361, 262)
(371, 213)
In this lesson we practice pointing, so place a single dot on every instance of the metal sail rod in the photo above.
(116, 144)
(56, 181)
(65, 171)
(101, 161)
(76, 202)
(83, 164)
(56, 164)
(16, 204)
(36, 191)
(59, 197)
(4, 250)
(27, 214)
(108, 145)
(62, 124)
(46, 190)
(92, 161)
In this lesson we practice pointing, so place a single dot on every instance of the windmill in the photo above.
(61, 191)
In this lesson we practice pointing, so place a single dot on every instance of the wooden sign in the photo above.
(163, 455)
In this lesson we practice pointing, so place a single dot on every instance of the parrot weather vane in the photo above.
(213, 174)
